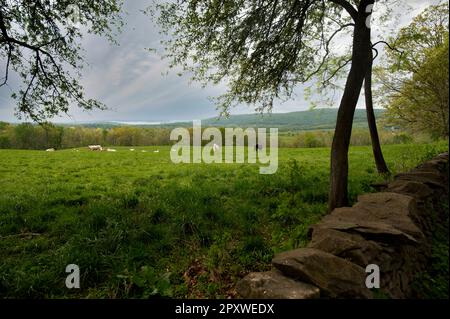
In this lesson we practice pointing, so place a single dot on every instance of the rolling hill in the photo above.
(317, 119)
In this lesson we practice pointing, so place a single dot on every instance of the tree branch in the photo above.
(376, 53)
(327, 51)
(336, 71)
(7, 66)
(348, 7)
(388, 45)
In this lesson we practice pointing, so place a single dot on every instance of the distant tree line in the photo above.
(360, 137)
(47, 135)
(40, 137)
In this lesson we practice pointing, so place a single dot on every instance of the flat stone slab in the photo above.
(397, 210)
(352, 247)
(418, 190)
(379, 216)
(432, 179)
(334, 276)
(360, 221)
(273, 285)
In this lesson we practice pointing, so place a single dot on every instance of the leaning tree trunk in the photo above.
(338, 195)
(376, 148)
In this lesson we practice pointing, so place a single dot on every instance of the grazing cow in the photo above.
(111, 150)
(50, 150)
(132, 149)
(157, 151)
(95, 147)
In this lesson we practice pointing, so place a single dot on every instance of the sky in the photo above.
(131, 81)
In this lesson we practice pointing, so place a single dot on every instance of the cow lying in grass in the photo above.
(95, 147)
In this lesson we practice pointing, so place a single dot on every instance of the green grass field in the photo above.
(139, 226)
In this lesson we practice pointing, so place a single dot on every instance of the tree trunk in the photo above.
(376, 148)
(338, 195)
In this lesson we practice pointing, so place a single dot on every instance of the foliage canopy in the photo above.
(40, 42)
(414, 79)
(261, 49)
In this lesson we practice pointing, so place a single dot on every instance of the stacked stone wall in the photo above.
(391, 229)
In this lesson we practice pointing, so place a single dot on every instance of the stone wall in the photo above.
(391, 228)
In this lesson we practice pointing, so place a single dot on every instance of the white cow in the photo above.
(95, 147)
(111, 150)
(216, 147)
(50, 150)
(157, 151)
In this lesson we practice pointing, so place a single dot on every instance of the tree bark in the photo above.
(338, 195)
(376, 147)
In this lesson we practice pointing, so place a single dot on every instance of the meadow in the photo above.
(139, 226)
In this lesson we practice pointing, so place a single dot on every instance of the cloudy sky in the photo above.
(128, 78)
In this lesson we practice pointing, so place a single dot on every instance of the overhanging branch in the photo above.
(327, 50)
(348, 7)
